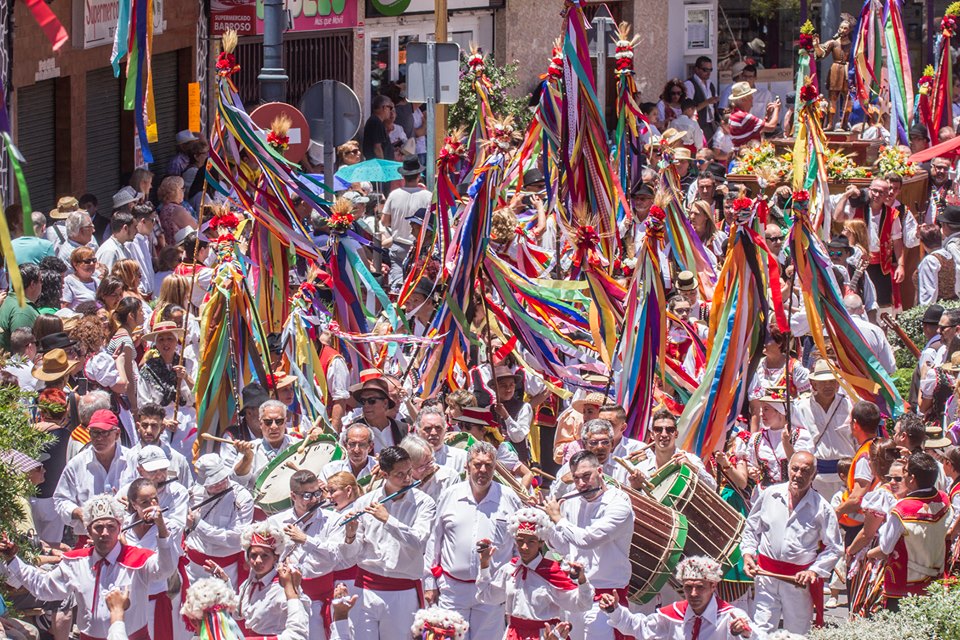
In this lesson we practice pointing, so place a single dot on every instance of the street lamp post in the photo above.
(273, 78)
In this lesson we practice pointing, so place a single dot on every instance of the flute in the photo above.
(581, 494)
(140, 521)
(392, 496)
(320, 505)
(210, 499)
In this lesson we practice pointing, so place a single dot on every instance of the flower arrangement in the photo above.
(801, 200)
(742, 204)
(895, 160)
(806, 37)
(453, 148)
(476, 61)
(948, 26)
(625, 47)
(502, 133)
(435, 623)
(762, 158)
(341, 216)
(277, 136)
(925, 84)
(226, 61)
(841, 167)
(226, 221)
(555, 70)
(808, 92)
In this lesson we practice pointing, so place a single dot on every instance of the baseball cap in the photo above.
(152, 458)
(103, 419)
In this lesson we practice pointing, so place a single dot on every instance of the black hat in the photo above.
(932, 314)
(253, 395)
(839, 242)
(425, 287)
(418, 216)
(411, 166)
(532, 176)
(275, 343)
(641, 189)
(59, 340)
(919, 131)
(950, 216)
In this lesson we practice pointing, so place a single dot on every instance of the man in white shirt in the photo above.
(150, 430)
(703, 92)
(701, 615)
(434, 478)
(623, 446)
(141, 246)
(117, 247)
(390, 563)
(97, 469)
(432, 426)
(88, 573)
(319, 545)
(596, 437)
(595, 530)
(826, 415)
(873, 335)
(400, 204)
(79, 227)
(787, 525)
(275, 440)
(467, 512)
(357, 440)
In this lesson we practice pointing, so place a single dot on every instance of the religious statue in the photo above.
(838, 87)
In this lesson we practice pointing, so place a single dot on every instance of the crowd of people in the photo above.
(507, 505)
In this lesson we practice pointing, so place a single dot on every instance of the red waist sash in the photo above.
(367, 580)
(321, 590)
(162, 615)
(523, 629)
(789, 569)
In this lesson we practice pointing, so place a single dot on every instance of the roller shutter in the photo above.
(166, 100)
(103, 136)
(37, 141)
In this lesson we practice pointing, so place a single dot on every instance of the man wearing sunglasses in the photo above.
(373, 395)
(663, 434)
(320, 543)
(851, 275)
(262, 451)
(704, 93)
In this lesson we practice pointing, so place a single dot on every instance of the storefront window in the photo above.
(379, 63)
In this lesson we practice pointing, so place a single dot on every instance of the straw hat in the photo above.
(65, 205)
(822, 372)
(686, 281)
(595, 398)
(55, 365)
(954, 365)
(161, 328)
(682, 153)
(741, 90)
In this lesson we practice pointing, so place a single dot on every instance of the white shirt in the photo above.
(597, 534)
(878, 343)
(892, 530)
(530, 597)
(151, 540)
(451, 457)
(692, 133)
(83, 478)
(76, 292)
(217, 532)
(560, 487)
(337, 378)
(179, 467)
(112, 251)
(394, 549)
(325, 549)
(77, 576)
(928, 277)
(442, 478)
(141, 250)
(709, 90)
(461, 522)
(829, 428)
(773, 530)
(764, 450)
(519, 428)
(676, 622)
(336, 466)
(648, 465)
(263, 604)
(263, 455)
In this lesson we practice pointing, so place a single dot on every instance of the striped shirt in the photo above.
(744, 127)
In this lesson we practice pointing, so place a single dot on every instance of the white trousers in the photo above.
(590, 624)
(385, 615)
(777, 599)
(46, 520)
(317, 629)
(487, 621)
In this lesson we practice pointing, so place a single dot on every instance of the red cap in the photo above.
(103, 419)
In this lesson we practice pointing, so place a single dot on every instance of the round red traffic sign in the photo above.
(299, 133)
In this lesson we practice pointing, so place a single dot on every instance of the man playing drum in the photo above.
(537, 591)
(664, 430)
(701, 616)
(781, 546)
(318, 546)
(275, 440)
(480, 508)
(595, 529)
(357, 441)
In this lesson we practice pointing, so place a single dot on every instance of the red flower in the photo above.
(806, 41)
(227, 64)
(800, 196)
(225, 238)
(308, 287)
(742, 204)
(948, 24)
(658, 213)
(277, 141)
(587, 237)
(808, 93)
(229, 220)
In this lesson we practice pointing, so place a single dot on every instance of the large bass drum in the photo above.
(715, 526)
(272, 490)
(659, 535)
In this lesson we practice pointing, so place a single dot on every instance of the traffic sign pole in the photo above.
(329, 141)
(431, 73)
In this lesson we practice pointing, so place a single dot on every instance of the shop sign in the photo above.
(239, 15)
(47, 69)
(392, 8)
(316, 15)
(100, 21)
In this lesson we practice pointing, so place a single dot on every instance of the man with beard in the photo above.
(150, 430)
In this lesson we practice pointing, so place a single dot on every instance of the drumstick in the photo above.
(542, 473)
(779, 576)
(292, 465)
(213, 438)
(640, 450)
(629, 467)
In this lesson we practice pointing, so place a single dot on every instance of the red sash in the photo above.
(367, 580)
(523, 629)
(438, 571)
(549, 570)
(162, 615)
(142, 634)
(789, 569)
(622, 599)
(342, 575)
(321, 590)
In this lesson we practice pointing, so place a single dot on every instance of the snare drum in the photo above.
(715, 526)
(659, 534)
(272, 490)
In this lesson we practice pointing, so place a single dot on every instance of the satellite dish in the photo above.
(344, 111)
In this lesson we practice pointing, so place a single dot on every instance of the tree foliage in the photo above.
(502, 79)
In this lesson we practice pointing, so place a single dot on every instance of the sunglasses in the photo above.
(371, 399)
(664, 429)
(89, 261)
(836, 254)
(774, 238)
(272, 420)
(310, 495)
(893, 478)
(943, 327)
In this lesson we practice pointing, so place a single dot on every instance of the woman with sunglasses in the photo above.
(669, 106)
(81, 285)
(888, 469)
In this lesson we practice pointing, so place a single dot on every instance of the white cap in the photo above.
(186, 136)
(211, 470)
(152, 458)
(102, 369)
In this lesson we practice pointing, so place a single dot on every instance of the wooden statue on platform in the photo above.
(838, 88)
